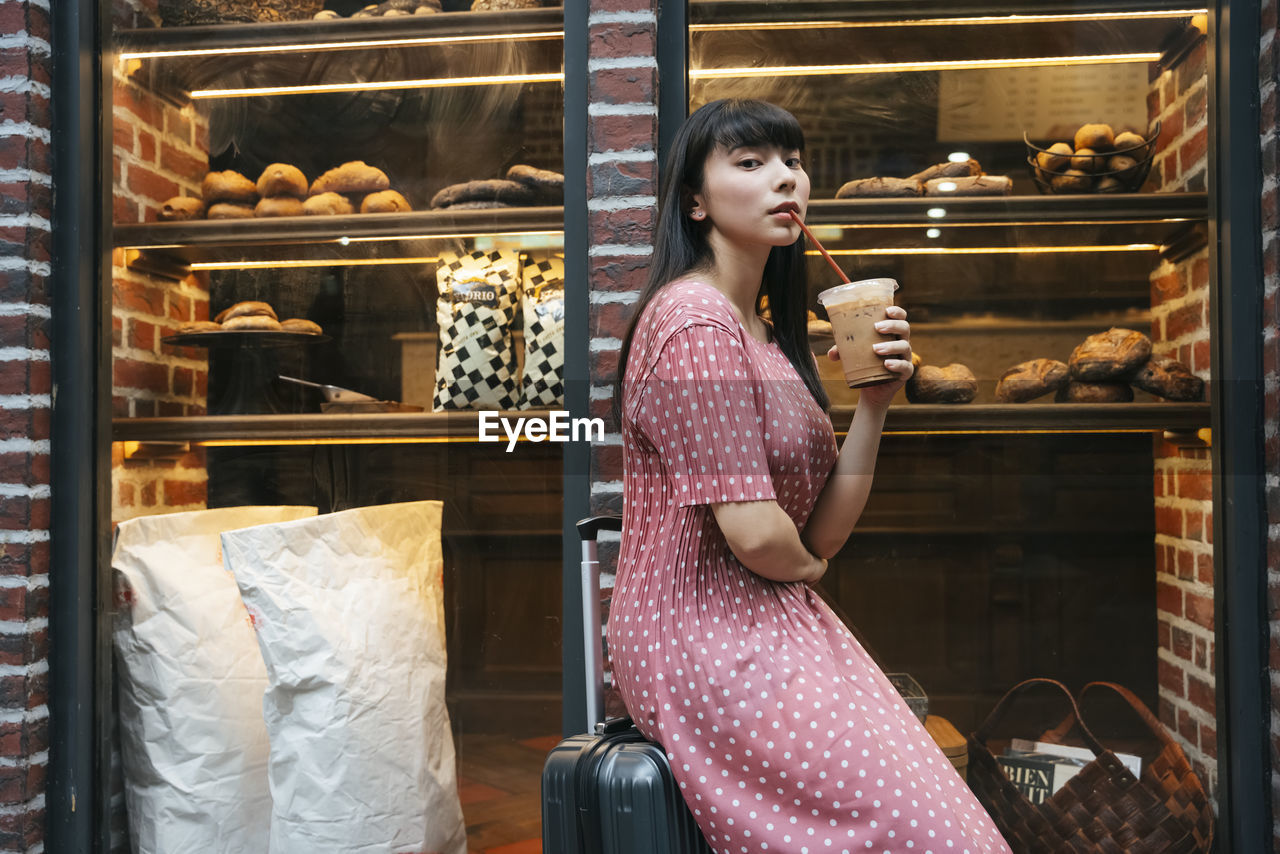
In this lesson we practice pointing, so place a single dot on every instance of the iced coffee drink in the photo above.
(855, 309)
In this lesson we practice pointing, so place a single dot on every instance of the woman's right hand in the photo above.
(815, 573)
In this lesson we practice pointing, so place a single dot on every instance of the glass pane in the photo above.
(338, 242)
(1060, 528)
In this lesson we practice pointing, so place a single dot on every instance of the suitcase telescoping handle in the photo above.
(589, 529)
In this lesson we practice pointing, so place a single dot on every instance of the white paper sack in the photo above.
(191, 680)
(350, 618)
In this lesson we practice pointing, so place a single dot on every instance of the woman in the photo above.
(782, 733)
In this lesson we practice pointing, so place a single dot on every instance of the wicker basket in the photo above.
(185, 13)
(1103, 808)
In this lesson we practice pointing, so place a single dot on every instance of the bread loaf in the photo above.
(977, 185)
(300, 324)
(354, 176)
(181, 209)
(247, 308)
(1029, 380)
(252, 322)
(888, 188)
(1168, 378)
(198, 326)
(228, 186)
(1109, 356)
(1078, 392)
(950, 169)
(953, 384)
(281, 179)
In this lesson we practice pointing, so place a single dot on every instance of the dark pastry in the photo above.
(181, 209)
(478, 206)
(228, 186)
(1029, 380)
(1168, 378)
(1109, 356)
(355, 176)
(492, 190)
(952, 384)
(281, 179)
(385, 201)
(547, 184)
(1078, 392)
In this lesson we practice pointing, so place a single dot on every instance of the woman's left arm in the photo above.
(843, 498)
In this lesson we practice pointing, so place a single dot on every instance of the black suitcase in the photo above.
(611, 792)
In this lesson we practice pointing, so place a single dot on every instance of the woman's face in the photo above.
(747, 192)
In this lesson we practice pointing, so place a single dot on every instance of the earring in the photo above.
(698, 214)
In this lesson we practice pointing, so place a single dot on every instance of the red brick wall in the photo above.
(25, 394)
(1183, 472)
(1268, 71)
(158, 151)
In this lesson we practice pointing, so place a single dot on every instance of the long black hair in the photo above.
(681, 244)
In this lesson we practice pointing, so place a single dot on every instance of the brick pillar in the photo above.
(622, 122)
(26, 208)
(158, 151)
(1182, 480)
(1268, 71)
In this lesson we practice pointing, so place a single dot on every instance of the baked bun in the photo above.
(1029, 380)
(971, 185)
(281, 179)
(300, 324)
(385, 201)
(327, 204)
(1168, 378)
(1109, 356)
(254, 322)
(952, 384)
(279, 206)
(354, 176)
(884, 188)
(1078, 392)
(198, 326)
(228, 186)
(1098, 137)
(248, 308)
(548, 185)
(950, 169)
(181, 209)
(491, 190)
(229, 210)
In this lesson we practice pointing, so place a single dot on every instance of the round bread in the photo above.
(327, 204)
(281, 179)
(1098, 137)
(254, 322)
(1108, 184)
(1123, 165)
(882, 188)
(1110, 356)
(1057, 158)
(547, 184)
(1085, 160)
(385, 201)
(1078, 392)
(279, 206)
(181, 209)
(354, 176)
(953, 384)
(198, 326)
(1168, 378)
(1131, 144)
(492, 190)
(1029, 380)
(229, 210)
(300, 324)
(1071, 181)
(228, 186)
(248, 308)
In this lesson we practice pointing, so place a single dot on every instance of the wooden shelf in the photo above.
(1035, 418)
(161, 246)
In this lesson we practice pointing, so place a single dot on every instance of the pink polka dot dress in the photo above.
(782, 733)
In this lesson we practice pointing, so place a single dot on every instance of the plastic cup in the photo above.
(855, 309)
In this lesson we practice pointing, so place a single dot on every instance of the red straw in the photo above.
(824, 252)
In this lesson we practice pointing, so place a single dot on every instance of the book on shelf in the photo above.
(1038, 775)
(1025, 745)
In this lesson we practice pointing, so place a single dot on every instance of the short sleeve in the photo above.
(699, 410)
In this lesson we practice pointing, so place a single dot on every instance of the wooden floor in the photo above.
(499, 784)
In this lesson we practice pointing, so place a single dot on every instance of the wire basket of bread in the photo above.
(1097, 160)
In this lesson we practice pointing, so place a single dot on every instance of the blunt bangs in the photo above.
(751, 123)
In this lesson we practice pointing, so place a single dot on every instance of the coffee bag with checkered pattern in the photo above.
(476, 366)
(542, 302)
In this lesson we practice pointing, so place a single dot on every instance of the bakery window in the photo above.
(338, 248)
(1035, 179)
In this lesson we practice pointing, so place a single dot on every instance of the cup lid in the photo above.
(847, 289)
